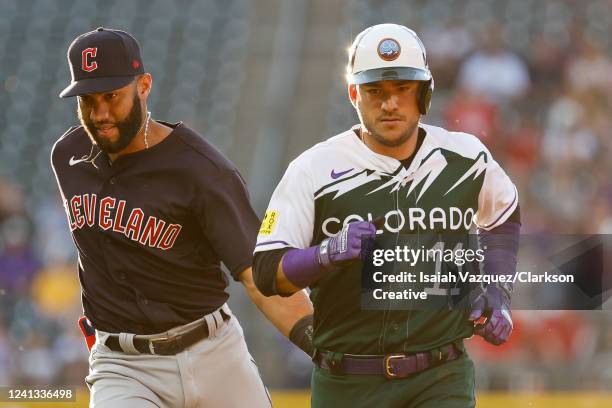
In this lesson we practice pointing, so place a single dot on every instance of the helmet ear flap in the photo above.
(424, 96)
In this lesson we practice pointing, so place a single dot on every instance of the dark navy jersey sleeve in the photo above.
(152, 228)
(228, 220)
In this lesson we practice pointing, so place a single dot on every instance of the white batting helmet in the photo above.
(390, 51)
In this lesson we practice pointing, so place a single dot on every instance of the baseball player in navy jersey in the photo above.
(390, 174)
(153, 210)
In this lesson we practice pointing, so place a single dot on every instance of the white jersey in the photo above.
(452, 182)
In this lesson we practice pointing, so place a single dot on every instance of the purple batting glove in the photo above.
(302, 267)
(346, 245)
(492, 306)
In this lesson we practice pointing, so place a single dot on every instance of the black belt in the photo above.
(165, 346)
(392, 366)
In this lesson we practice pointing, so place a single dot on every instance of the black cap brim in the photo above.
(95, 85)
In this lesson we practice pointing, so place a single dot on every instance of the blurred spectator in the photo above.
(36, 362)
(11, 199)
(18, 264)
(5, 355)
(597, 372)
(558, 335)
(590, 70)
(523, 148)
(53, 241)
(71, 353)
(446, 46)
(546, 57)
(55, 290)
(567, 136)
(494, 71)
(470, 112)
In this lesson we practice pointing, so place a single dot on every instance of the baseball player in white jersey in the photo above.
(390, 174)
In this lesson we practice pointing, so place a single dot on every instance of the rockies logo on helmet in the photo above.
(388, 49)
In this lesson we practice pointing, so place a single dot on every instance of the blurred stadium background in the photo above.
(263, 80)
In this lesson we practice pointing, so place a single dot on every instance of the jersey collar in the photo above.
(390, 164)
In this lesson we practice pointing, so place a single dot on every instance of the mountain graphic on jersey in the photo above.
(440, 194)
(429, 170)
(452, 184)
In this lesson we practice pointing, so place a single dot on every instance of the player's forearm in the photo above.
(288, 270)
(284, 285)
(300, 268)
(282, 312)
(297, 269)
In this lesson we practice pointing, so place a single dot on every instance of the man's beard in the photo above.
(404, 137)
(127, 129)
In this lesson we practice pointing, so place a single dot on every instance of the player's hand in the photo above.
(345, 246)
(491, 315)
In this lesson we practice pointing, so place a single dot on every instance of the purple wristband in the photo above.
(301, 266)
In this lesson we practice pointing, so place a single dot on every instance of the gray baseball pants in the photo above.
(215, 372)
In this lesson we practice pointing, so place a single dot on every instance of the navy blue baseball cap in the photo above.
(101, 61)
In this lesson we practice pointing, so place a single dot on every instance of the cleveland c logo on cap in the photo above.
(86, 64)
(388, 49)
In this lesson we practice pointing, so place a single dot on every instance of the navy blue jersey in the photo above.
(152, 227)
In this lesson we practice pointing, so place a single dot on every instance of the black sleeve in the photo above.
(228, 221)
(516, 215)
(301, 334)
(265, 265)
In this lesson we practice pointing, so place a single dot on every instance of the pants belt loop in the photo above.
(226, 309)
(210, 322)
(126, 342)
(218, 318)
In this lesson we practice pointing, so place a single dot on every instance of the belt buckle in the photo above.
(167, 345)
(387, 364)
